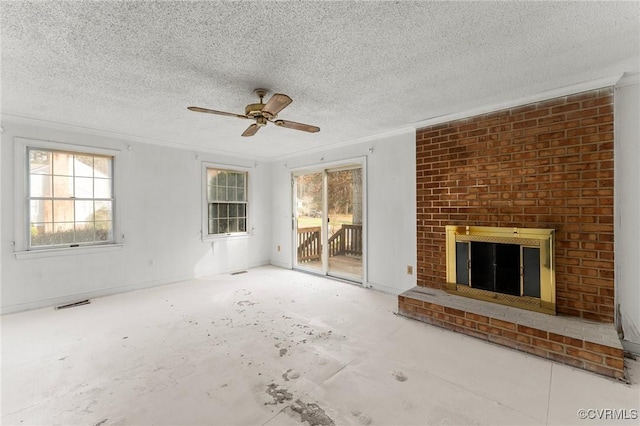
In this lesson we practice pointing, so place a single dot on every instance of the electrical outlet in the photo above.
(409, 269)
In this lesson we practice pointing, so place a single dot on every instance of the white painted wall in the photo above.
(391, 206)
(627, 208)
(159, 200)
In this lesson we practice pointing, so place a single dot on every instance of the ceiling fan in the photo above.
(263, 113)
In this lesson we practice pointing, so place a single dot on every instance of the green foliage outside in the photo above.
(102, 232)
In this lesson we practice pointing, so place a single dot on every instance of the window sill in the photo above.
(221, 237)
(66, 251)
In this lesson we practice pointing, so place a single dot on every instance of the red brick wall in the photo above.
(544, 165)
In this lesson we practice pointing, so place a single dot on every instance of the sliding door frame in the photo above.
(324, 168)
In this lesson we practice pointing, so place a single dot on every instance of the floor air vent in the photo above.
(74, 304)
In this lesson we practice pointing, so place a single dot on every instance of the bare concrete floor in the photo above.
(278, 347)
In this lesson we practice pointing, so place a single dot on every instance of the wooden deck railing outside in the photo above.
(309, 245)
(346, 241)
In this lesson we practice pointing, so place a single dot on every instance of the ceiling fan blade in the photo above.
(297, 126)
(251, 130)
(277, 103)
(212, 111)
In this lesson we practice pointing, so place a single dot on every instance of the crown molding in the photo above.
(628, 79)
(16, 119)
(537, 97)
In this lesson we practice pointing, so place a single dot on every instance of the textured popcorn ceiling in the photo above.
(355, 69)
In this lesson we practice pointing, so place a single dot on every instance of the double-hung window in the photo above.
(226, 201)
(70, 198)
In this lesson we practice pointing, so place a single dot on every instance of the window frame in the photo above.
(22, 243)
(205, 201)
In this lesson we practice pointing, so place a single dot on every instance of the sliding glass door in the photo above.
(328, 223)
(309, 229)
(344, 202)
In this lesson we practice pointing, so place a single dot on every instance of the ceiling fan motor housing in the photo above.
(254, 110)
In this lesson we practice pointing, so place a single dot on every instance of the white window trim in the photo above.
(204, 231)
(21, 242)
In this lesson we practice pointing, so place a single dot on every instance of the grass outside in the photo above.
(335, 222)
(334, 219)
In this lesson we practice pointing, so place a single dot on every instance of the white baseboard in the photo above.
(74, 297)
(284, 265)
(632, 347)
(387, 289)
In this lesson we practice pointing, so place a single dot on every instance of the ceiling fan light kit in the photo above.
(263, 113)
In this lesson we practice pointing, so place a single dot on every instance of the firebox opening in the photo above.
(496, 267)
(501, 268)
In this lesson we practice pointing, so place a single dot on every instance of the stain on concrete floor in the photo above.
(311, 413)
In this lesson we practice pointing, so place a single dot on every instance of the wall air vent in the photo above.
(73, 305)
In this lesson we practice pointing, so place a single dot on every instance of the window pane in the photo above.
(212, 177)
(63, 211)
(231, 193)
(242, 210)
(102, 188)
(223, 225)
(240, 181)
(222, 193)
(223, 210)
(233, 210)
(222, 178)
(213, 211)
(84, 211)
(212, 193)
(242, 225)
(63, 233)
(40, 185)
(84, 187)
(83, 165)
(41, 211)
(85, 232)
(41, 234)
(104, 230)
(104, 210)
(102, 167)
(62, 187)
(213, 228)
(231, 179)
(233, 225)
(62, 164)
(39, 162)
(241, 196)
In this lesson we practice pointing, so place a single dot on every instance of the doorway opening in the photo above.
(329, 222)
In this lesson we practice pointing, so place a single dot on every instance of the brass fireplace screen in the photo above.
(510, 266)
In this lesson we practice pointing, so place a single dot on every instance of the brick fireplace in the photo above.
(546, 165)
